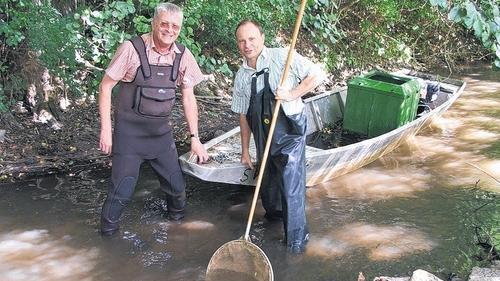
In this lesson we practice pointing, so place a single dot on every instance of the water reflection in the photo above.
(447, 160)
(374, 184)
(381, 242)
(197, 226)
(35, 255)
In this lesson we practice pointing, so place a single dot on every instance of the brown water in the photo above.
(229, 275)
(414, 208)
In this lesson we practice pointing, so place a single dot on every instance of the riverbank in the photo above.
(32, 146)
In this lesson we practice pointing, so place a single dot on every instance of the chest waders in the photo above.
(285, 176)
(143, 132)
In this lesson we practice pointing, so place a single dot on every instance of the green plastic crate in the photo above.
(379, 102)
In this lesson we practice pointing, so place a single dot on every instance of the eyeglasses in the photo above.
(172, 26)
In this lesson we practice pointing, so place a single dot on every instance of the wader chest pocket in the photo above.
(154, 102)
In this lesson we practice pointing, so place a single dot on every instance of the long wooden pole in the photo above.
(298, 22)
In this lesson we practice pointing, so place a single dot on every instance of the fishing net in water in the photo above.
(239, 260)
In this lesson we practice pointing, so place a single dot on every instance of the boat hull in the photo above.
(321, 165)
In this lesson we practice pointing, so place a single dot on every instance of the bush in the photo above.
(77, 44)
(483, 18)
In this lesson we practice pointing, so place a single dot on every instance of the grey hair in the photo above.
(168, 8)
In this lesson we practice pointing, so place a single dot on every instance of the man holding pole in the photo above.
(256, 86)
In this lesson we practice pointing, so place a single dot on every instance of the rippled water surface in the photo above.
(414, 208)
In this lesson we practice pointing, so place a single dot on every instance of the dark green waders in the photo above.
(283, 188)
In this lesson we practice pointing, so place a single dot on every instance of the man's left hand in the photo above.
(284, 94)
(198, 149)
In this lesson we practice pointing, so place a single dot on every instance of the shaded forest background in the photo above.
(57, 50)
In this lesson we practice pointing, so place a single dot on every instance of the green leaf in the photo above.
(497, 63)
(485, 39)
(454, 15)
(443, 4)
(440, 3)
(495, 10)
(471, 9)
(468, 21)
(478, 28)
(96, 14)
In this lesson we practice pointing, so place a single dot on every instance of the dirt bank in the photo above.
(29, 148)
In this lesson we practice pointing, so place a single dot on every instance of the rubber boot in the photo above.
(118, 197)
(176, 205)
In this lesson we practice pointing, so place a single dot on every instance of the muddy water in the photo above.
(413, 208)
(229, 275)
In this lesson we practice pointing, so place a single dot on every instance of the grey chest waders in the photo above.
(142, 132)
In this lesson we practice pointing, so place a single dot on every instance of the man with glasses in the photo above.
(148, 69)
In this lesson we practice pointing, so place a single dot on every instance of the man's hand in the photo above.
(106, 141)
(198, 149)
(246, 160)
(284, 94)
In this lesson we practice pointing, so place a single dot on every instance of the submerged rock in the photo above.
(484, 274)
(418, 275)
(422, 275)
(383, 278)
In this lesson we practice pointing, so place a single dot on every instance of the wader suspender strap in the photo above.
(177, 62)
(140, 47)
(266, 79)
(266, 104)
